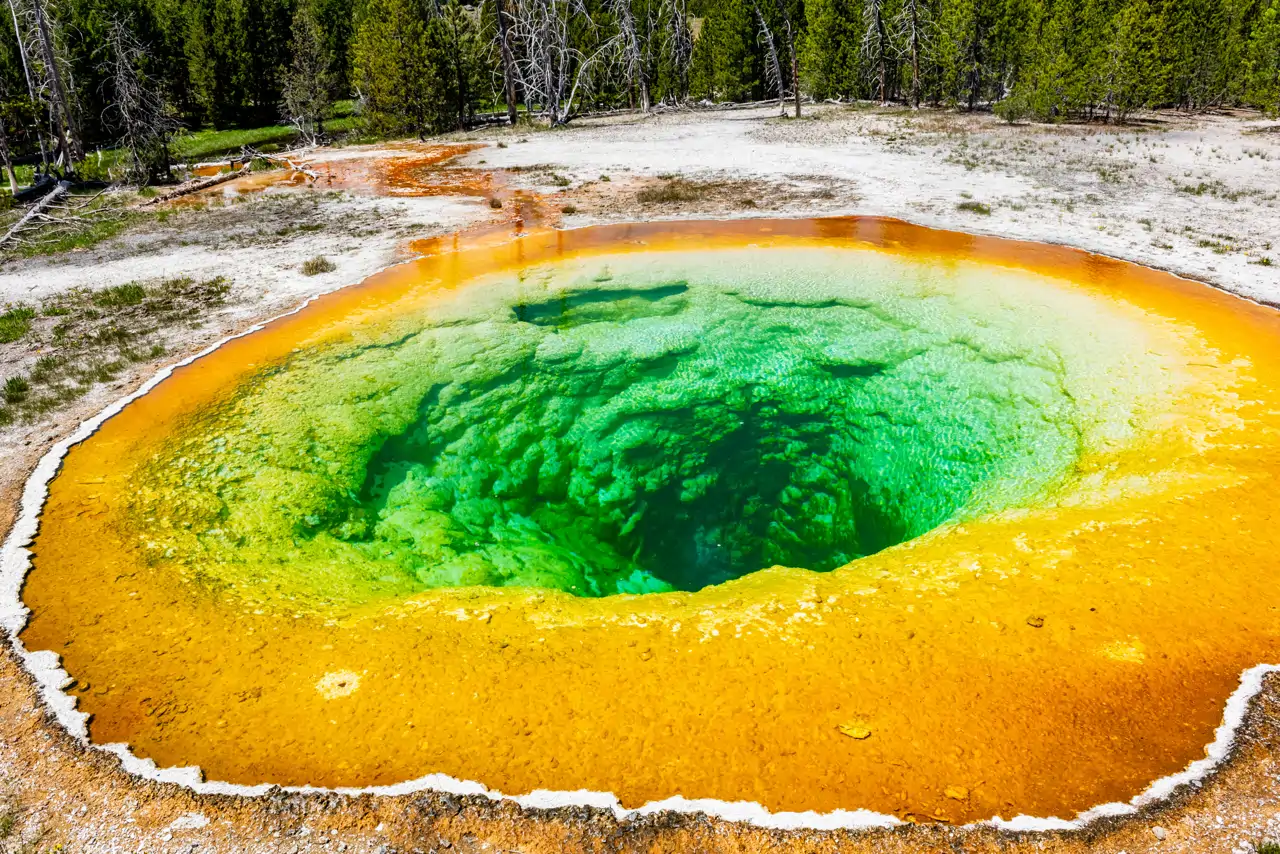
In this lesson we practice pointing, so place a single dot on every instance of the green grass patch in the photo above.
(15, 323)
(204, 144)
(1218, 247)
(120, 296)
(1217, 189)
(15, 389)
(92, 336)
(317, 265)
(346, 124)
(86, 236)
(974, 207)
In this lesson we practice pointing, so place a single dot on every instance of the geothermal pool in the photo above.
(834, 514)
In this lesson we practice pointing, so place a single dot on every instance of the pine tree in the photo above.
(308, 86)
(201, 63)
(1205, 45)
(268, 55)
(830, 59)
(1049, 84)
(957, 26)
(1132, 71)
(1263, 60)
(457, 51)
(334, 18)
(729, 61)
(391, 63)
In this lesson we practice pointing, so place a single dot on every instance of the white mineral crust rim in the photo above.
(45, 668)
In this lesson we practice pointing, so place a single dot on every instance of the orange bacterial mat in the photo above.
(1039, 646)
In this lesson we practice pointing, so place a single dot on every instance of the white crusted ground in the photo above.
(1198, 196)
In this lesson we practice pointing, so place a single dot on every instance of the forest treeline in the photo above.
(79, 74)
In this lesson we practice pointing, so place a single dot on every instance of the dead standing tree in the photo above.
(788, 30)
(553, 70)
(508, 62)
(679, 43)
(137, 109)
(7, 111)
(633, 64)
(26, 73)
(911, 27)
(773, 68)
(45, 66)
(68, 134)
(875, 45)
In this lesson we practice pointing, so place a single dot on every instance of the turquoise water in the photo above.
(633, 425)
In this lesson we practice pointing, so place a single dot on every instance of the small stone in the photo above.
(1035, 622)
(857, 731)
(957, 793)
(1159, 832)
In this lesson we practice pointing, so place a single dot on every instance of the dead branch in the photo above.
(196, 186)
(38, 209)
(282, 161)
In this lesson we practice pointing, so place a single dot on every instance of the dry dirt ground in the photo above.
(1199, 196)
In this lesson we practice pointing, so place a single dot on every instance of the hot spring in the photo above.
(823, 515)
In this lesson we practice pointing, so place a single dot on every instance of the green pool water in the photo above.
(638, 424)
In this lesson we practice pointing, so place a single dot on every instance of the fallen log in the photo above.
(272, 158)
(36, 211)
(36, 190)
(202, 184)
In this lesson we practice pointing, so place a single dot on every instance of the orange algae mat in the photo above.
(1034, 613)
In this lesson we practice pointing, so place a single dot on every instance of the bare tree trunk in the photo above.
(56, 193)
(882, 68)
(634, 68)
(875, 42)
(508, 63)
(975, 66)
(8, 163)
(681, 44)
(774, 70)
(795, 79)
(69, 137)
(26, 72)
(791, 49)
(915, 52)
(203, 184)
(552, 69)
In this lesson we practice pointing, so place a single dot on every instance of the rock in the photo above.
(1159, 832)
(857, 731)
(957, 793)
(1035, 622)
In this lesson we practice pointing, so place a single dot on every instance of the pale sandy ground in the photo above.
(1113, 191)
(1122, 192)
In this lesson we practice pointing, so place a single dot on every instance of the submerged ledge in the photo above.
(45, 668)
